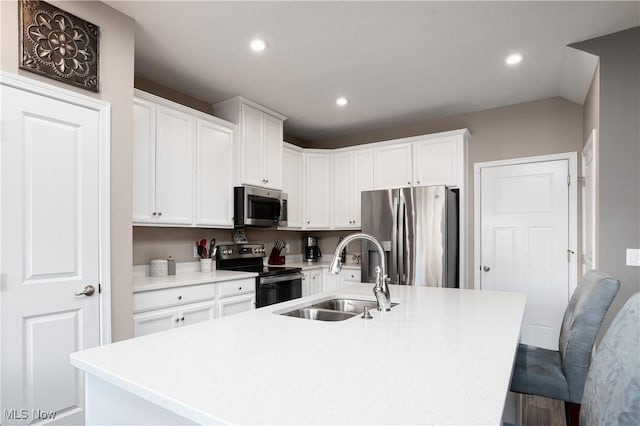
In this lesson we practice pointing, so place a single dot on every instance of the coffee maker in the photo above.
(311, 249)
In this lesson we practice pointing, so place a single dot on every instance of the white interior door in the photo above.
(49, 223)
(589, 171)
(524, 216)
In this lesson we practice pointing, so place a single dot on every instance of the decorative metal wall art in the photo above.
(58, 45)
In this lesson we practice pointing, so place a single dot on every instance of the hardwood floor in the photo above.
(539, 411)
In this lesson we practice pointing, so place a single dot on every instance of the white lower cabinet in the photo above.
(159, 310)
(329, 281)
(349, 276)
(165, 319)
(235, 305)
(312, 282)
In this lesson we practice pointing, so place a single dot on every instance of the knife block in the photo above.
(275, 258)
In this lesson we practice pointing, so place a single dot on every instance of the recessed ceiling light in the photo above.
(342, 101)
(258, 45)
(513, 59)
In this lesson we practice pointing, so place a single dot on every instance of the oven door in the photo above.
(278, 288)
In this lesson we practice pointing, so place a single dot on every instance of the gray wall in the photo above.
(116, 87)
(619, 156)
(546, 126)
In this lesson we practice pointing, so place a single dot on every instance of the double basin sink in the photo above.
(333, 309)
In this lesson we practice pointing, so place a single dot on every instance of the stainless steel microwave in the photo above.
(259, 207)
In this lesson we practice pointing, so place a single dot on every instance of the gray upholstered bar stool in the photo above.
(561, 374)
(612, 390)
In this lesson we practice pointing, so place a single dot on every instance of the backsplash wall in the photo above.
(151, 242)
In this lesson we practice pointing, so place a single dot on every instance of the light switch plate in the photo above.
(633, 257)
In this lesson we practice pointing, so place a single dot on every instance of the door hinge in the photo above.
(99, 288)
(568, 180)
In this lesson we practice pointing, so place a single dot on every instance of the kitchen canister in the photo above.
(158, 267)
(171, 264)
(206, 265)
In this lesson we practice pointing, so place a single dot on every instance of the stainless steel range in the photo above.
(274, 284)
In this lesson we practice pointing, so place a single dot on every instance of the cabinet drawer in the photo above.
(350, 275)
(173, 296)
(234, 288)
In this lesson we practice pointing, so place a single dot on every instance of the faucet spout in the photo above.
(381, 289)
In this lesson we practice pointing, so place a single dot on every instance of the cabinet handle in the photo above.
(182, 319)
(159, 213)
(154, 213)
(239, 288)
(177, 319)
(179, 297)
(308, 222)
(409, 183)
(418, 181)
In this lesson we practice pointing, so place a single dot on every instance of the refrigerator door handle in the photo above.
(392, 268)
(402, 231)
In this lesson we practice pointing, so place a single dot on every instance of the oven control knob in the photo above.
(230, 251)
(225, 251)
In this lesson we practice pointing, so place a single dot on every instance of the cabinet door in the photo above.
(362, 181)
(234, 305)
(306, 284)
(435, 162)
(392, 166)
(154, 321)
(197, 312)
(273, 152)
(292, 185)
(317, 210)
(175, 171)
(343, 191)
(330, 281)
(144, 134)
(252, 156)
(214, 200)
(316, 281)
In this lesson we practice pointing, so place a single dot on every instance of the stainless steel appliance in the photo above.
(259, 207)
(311, 249)
(274, 284)
(418, 230)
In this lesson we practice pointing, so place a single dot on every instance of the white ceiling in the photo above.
(395, 61)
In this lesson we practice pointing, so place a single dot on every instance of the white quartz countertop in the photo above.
(320, 264)
(143, 283)
(441, 356)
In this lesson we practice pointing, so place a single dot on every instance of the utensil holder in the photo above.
(206, 265)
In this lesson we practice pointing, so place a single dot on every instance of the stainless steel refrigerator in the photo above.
(418, 229)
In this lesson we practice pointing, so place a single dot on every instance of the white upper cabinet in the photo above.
(171, 184)
(392, 165)
(437, 161)
(292, 184)
(214, 159)
(258, 147)
(175, 137)
(317, 189)
(144, 161)
(353, 173)
(164, 170)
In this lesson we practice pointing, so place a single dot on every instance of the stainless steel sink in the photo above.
(333, 309)
(320, 314)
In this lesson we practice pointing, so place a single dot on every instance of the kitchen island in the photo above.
(441, 356)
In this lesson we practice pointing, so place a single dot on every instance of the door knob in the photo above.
(486, 268)
(87, 291)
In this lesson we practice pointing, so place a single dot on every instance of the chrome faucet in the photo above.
(381, 289)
